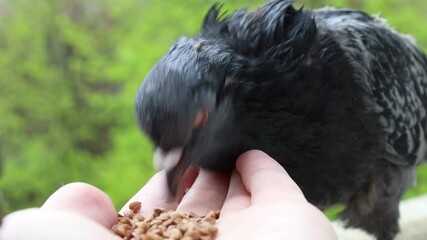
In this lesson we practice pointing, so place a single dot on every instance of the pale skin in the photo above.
(260, 201)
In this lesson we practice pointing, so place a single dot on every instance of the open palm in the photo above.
(259, 201)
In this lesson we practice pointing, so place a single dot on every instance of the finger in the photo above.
(206, 194)
(265, 179)
(154, 194)
(38, 224)
(238, 197)
(83, 199)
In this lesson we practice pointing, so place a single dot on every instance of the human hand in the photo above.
(262, 202)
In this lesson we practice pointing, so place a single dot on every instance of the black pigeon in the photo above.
(336, 96)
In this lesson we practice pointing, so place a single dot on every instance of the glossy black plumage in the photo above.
(334, 95)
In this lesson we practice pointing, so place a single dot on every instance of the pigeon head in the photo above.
(182, 107)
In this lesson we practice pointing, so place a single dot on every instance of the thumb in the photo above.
(83, 199)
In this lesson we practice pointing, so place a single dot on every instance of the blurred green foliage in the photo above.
(69, 70)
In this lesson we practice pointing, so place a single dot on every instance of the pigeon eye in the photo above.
(201, 118)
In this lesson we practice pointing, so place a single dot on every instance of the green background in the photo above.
(69, 71)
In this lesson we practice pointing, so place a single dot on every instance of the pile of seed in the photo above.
(162, 224)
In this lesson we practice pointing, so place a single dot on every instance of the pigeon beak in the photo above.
(180, 175)
(166, 160)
